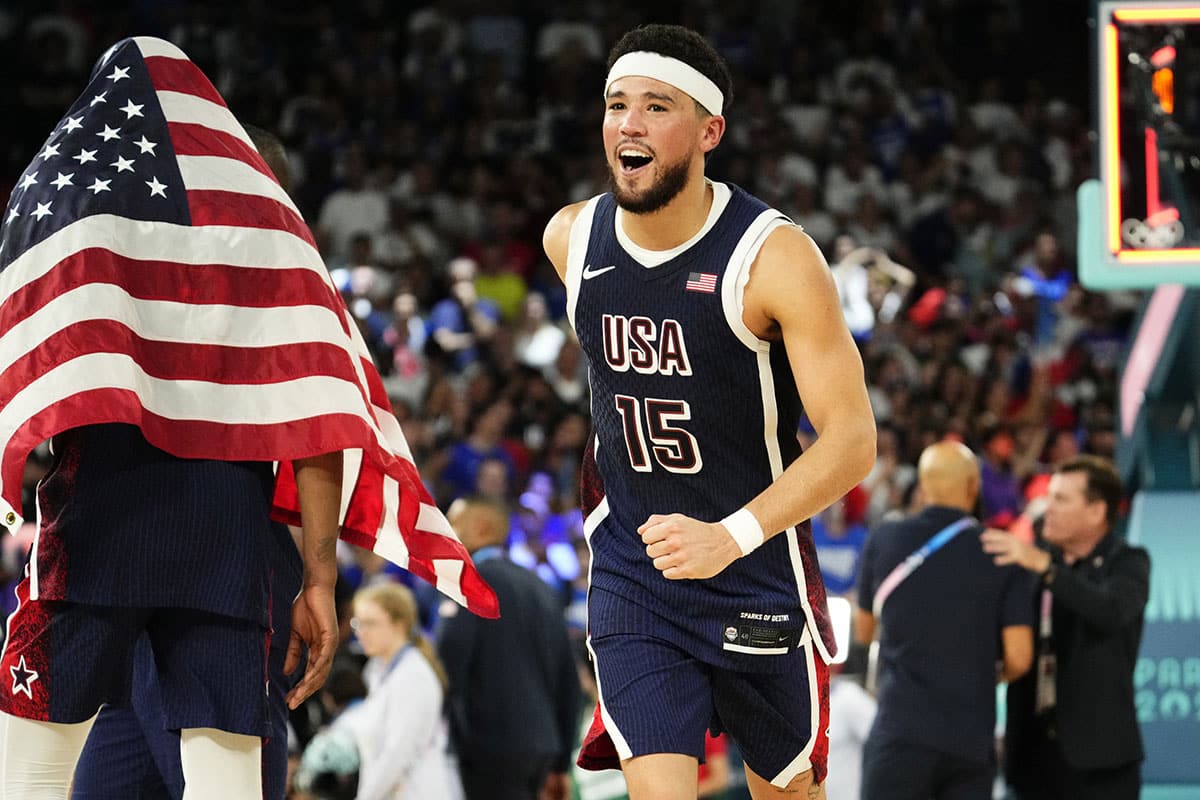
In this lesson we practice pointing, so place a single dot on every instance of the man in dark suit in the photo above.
(514, 691)
(1072, 726)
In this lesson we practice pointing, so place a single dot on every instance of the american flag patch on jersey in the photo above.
(701, 282)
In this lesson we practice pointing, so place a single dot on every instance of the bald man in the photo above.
(951, 624)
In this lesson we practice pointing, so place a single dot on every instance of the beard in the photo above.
(670, 183)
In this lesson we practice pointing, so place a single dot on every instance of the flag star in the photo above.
(100, 186)
(132, 109)
(43, 210)
(98, 99)
(51, 150)
(145, 145)
(123, 164)
(118, 73)
(156, 188)
(85, 156)
(29, 180)
(74, 123)
(12, 214)
(63, 180)
(109, 133)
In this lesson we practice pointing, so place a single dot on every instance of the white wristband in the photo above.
(745, 530)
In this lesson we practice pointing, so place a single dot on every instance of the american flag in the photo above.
(701, 282)
(153, 272)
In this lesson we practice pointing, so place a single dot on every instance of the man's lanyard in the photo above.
(909, 565)
(1046, 623)
(1047, 661)
(896, 577)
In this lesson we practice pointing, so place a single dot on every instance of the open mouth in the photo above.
(633, 160)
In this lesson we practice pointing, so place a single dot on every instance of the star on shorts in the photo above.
(22, 678)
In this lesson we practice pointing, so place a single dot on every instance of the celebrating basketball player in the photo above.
(709, 320)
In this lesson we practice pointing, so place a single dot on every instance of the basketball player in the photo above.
(201, 596)
(134, 540)
(706, 317)
(130, 752)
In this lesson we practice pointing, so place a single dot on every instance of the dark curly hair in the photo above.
(678, 42)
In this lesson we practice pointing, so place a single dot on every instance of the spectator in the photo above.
(538, 340)
(458, 324)
(1001, 489)
(399, 731)
(465, 459)
(353, 209)
(405, 337)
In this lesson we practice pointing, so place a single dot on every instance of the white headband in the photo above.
(681, 75)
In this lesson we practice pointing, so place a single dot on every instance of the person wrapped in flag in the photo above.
(128, 752)
(167, 322)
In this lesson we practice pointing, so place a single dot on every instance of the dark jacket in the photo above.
(514, 688)
(1099, 603)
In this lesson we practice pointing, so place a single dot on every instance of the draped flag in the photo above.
(154, 272)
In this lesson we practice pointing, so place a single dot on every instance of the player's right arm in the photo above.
(557, 236)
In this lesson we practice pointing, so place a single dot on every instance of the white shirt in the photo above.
(401, 734)
(347, 212)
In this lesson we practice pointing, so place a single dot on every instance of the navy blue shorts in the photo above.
(130, 753)
(63, 661)
(656, 698)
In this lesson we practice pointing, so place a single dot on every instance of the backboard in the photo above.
(1139, 225)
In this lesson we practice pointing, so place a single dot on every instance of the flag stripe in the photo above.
(180, 75)
(165, 320)
(449, 577)
(233, 404)
(389, 541)
(176, 360)
(190, 139)
(247, 210)
(179, 244)
(151, 46)
(200, 284)
(178, 107)
(214, 173)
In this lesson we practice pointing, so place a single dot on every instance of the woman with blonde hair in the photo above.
(400, 730)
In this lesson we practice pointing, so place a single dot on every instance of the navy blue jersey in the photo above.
(123, 523)
(693, 414)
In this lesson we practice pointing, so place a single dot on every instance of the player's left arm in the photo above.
(314, 618)
(791, 297)
(791, 289)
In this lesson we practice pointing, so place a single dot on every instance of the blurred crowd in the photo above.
(928, 146)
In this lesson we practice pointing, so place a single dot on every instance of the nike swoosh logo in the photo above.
(589, 273)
